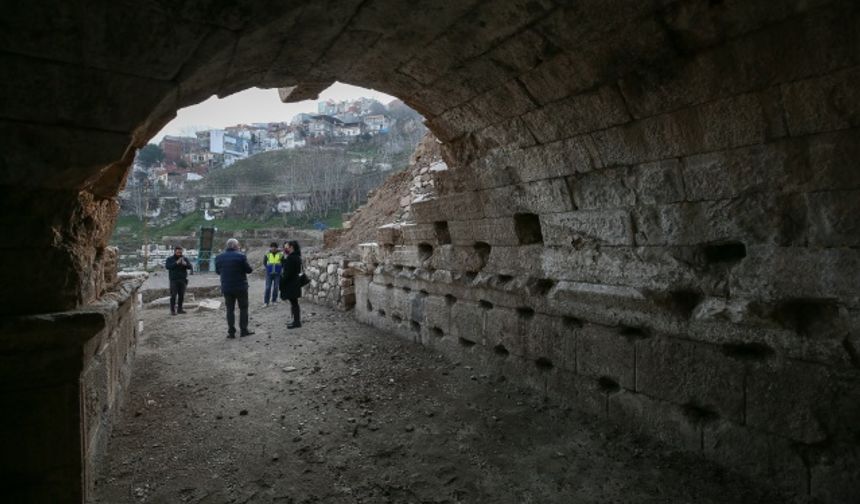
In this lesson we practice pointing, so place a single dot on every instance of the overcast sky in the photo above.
(255, 105)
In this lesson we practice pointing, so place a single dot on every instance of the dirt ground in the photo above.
(337, 412)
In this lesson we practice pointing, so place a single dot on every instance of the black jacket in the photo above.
(233, 267)
(289, 285)
(177, 271)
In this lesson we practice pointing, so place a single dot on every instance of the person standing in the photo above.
(177, 267)
(233, 268)
(272, 262)
(291, 289)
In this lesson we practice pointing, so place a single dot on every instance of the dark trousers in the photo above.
(177, 293)
(297, 312)
(231, 299)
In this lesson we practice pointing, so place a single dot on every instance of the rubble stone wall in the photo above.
(331, 281)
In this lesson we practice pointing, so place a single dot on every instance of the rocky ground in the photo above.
(337, 412)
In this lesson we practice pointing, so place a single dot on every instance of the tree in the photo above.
(150, 155)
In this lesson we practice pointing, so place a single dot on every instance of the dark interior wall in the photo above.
(659, 199)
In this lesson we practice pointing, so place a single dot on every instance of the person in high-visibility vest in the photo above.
(273, 263)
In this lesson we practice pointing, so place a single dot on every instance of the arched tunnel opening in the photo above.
(677, 178)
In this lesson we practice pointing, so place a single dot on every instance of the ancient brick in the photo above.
(578, 392)
(503, 327)
(467, 321)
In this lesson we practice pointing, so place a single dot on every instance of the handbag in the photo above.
(303, 279)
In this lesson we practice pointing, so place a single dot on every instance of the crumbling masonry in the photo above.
(650, 208)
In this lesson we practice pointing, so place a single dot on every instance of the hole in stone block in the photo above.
(406, 288)
(684, 301)
(466, 342)
(525, 312)
(543, 364)
(482, 250)
(699, 414)
(486, 305)
(388, 248)
(572, 322)
(541, 286)
(607, 384)
(369, 306)
(807, 316)
(450, 299)
(501, 350)
(437, 332)
(503, 279)
(381, 313)
(634, 332)
(411, 269)
(398, 268)
(415, 326)
(389, 286)
(443, 237)
(423, 293)
(725, 252)
(748, 351)
(425, 250)
(527, 227)
(469, 276)
(397, 318)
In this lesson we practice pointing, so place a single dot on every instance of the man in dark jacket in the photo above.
(178, 267)
(233, 268)
(291, 286)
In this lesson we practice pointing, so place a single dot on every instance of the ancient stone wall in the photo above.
(63, 379)
(675, 251)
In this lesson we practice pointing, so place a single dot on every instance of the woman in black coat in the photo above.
(290, 287)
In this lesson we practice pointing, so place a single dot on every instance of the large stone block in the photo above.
(823, 103)
(773, 273)
(603, 352)
(552, 338)
(503, 328)
(467, 321)
(498, 231)
(466, 205)
(578, 114)
(833, 218)
(658, 183)
(687, 373)
(713, 126)
(602, 189)
(533, 197)
(746, 170)
(758, 218)
(579, 228)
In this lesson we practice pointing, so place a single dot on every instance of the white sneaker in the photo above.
(265, 305)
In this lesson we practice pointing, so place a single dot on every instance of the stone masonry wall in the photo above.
(678, 255)
(63, 379)
(331, 281)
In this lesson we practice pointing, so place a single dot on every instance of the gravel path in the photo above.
(337, 412)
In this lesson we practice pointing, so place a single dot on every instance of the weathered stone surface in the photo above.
(587, 226)
(603, 352)
(661, 420)
(684, 373)
(533, 197)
